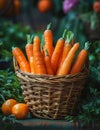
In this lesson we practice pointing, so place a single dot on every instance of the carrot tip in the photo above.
(48, 26)
(13, 47)
(64, 34)
(70, 36)
(87, 45)
(29, 38)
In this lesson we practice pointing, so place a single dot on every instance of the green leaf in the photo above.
(70, 36)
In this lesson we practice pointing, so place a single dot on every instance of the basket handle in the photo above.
(16, 67)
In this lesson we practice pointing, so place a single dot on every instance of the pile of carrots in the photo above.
(45, 58)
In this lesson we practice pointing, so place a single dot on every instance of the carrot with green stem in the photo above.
(57, 51)
(81, 60)
(39, 63)
(70, 38)
(66, 66)
(48, 63)
(66, 48)
(48, 38)
(29, 47)
(21, 59)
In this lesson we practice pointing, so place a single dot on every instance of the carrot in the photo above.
(39, 63)
(66, 66)
(32, 65)
(66, 48)
(81, 59)
(57, 51)
(36, 44)
(48, 64)
(29, 47)
(48, 38)
(21, 59)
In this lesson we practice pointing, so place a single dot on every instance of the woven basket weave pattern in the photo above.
(52, 97)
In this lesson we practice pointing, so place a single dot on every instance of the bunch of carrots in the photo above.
(45, 58)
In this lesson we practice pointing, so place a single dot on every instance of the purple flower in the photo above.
(68, 5)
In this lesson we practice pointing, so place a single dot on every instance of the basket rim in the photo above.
(85, 71)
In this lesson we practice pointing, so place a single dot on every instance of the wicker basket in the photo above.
(51, 97)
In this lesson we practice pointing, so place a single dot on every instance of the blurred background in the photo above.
(21, 17)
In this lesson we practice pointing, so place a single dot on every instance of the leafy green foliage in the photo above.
(89, 104)
(11, 35)
(94, 54)
(92, 18)
(9, 87)
(91, 108)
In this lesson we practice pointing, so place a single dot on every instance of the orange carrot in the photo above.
(81, 59)
(32, 65)
(21, 59)
(48, 38)
(48, 64)
(39, 63)
(64, 54)
(66, 48)
(36, 41)
(29, 47)
(57, 51)
(66, 66)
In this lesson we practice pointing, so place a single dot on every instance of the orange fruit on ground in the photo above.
(20, 110)
(7, 106)
(44, 5)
